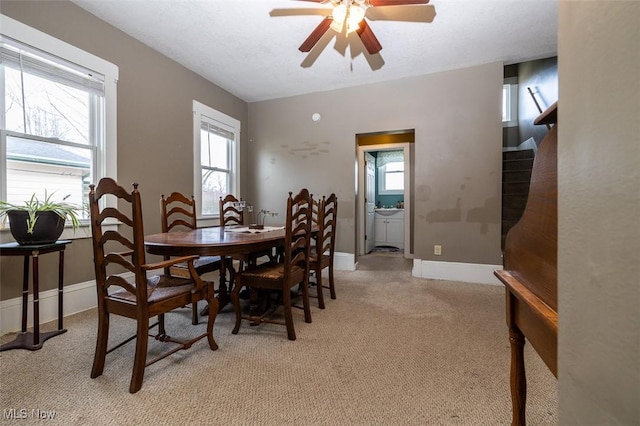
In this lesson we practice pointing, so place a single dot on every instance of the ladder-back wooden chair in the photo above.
(292, 271)
(142, 296)
(323, 247)
(178, 213)
(231, 215)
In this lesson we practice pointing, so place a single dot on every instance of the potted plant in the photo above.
(38, 221)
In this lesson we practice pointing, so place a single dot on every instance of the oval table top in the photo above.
(214, 241)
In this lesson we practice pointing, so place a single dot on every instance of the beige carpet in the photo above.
(391, 350)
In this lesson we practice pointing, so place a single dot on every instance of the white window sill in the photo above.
(208, 222)
(84, 231)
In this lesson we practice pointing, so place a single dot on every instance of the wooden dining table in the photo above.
(216, 241)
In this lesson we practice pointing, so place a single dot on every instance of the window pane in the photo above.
(214, 150)
(505, 102)
(395, 166)
(394, 181)
(51, 110)
(215, 184)
(35, 166)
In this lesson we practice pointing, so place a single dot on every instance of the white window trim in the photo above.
(223, 121)
(108, 166)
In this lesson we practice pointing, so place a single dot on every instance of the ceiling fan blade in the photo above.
(316, 35)
(396, 2)
(404, 14)
(300, 11)
(369, 39)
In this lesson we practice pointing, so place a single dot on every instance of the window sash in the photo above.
(100, 78)
(510, 103)
(211, 122)
(209, 205)
(385, 174)
(221, 137)
(34, 61)
(40, 159)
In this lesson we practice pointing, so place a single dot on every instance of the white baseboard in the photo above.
(455, 271)
(76, 298)
(344, 261)
(82, 296)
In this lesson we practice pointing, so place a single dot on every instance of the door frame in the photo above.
(361, 208)
(369, 220)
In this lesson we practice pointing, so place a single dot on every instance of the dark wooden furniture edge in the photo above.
(548, 116)
(530, 269)
(538, 313)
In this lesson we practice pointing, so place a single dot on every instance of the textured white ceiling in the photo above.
(241, 47)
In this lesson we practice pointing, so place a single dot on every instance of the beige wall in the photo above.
(599, 237)
(457, 201)
(155, 121)
(458, 143)
(598, 211)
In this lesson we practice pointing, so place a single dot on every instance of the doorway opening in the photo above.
(384, 193)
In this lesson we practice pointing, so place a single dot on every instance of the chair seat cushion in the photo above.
(270, 271)
(324, 261)
(159, 287)
(200, 262)
(249, 257)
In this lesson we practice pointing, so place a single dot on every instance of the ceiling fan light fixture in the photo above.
(348, 16)
(339, 15)
(337, 26)
(356, 15)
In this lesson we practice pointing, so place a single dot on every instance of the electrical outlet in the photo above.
(437, 250)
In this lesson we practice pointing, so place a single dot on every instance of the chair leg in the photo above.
(332, 287)
(101, 344)
(288, 315)
(235, 300)
(161, 329)
(194, 313)
(140, 358)
(318, 272)
(305, 301)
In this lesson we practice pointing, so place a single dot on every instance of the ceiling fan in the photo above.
(349, 16)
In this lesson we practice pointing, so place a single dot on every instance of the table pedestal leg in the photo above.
(34, 340)
(27, 341)
(223, 291)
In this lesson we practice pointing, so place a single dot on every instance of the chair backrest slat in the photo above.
(298, 230)
(327, 216)
(178, 212)
(114, 250)
(229, 213)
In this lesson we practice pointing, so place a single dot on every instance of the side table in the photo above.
(27, 340)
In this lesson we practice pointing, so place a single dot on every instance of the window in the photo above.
(510, 103)
(390, 166)
(57, 117)
(216, 139)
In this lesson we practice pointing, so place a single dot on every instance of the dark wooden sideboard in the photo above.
(530, 273)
